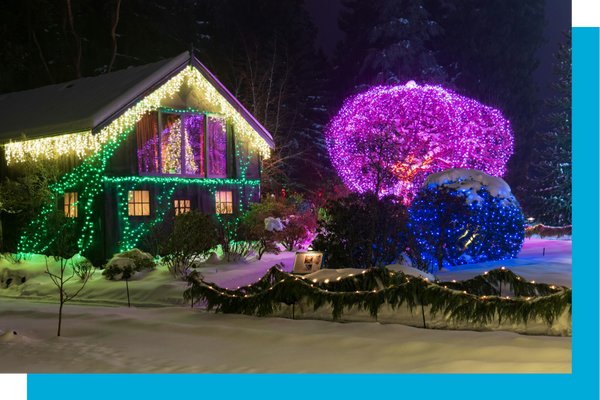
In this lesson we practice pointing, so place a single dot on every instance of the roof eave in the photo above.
(108, 114)
(233, 101)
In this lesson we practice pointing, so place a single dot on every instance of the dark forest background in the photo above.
(264, 52)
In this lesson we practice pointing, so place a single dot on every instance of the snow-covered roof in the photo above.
(89, 104)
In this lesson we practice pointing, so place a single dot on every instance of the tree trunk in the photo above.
(374, 216)
(60, 313)
(127, 286)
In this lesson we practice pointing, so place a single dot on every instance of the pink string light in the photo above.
(431, 129)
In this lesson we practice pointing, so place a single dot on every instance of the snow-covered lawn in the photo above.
(160, 333)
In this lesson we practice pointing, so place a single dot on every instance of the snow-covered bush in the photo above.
(84, 269)
(466, 216)
(127, 263)
(259, 225)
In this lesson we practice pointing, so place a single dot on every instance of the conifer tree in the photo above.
(387, 42)
(555, 166)
(488, 51)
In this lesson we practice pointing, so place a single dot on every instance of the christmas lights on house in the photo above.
(88, 177)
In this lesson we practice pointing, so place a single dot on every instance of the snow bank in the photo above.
(547, 261)
(470, 181)
(338, 274)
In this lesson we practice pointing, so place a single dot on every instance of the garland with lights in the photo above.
(548, 231)
(88, 178)
(374, 287)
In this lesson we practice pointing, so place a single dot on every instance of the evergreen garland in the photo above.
(548, 231)
(369, 290)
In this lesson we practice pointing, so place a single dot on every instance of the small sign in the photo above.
(307, 262)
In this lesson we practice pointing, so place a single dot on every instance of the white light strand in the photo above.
(85, 143)
(81, 143)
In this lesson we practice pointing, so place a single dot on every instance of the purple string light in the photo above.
(431, 129)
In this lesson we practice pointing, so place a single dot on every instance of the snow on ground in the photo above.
(553, 268)
(161, 335)
(179, 339)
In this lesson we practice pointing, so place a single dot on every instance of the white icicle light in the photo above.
(84, 143)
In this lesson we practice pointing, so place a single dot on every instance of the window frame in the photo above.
(141, 202)
(186, 208)
(216, 203)
(184, 115)
(70, 206)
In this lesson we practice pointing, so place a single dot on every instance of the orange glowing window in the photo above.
(224, 202)
(139, 203)
(71, 204)
(181, 206)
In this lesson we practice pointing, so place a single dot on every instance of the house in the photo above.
(133, 145)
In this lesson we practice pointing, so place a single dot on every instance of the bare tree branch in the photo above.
(77, 40)
(114, 36)
(37, 44)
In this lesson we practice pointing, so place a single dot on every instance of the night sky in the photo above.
(558, 13)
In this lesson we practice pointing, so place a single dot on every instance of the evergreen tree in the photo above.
(398, 48)
(555, 166)
(267, 58)
(387, 42)
(488, 52)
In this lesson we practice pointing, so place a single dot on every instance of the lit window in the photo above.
(139, 202)
(217, 147)
(224, 202)
(71, 204)
(181, 206)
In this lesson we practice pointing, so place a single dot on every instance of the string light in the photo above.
(496, 224)
(88, 177)
(427, 128)
(81, 144)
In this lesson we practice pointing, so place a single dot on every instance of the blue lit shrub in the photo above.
(449, 229)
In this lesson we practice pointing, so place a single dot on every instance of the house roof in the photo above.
(93, 103)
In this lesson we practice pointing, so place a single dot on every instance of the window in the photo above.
(139, 203)
(182, 144)
(181, 206)
(147, 143)
(217, 147)
(224, 202)
(71, 204)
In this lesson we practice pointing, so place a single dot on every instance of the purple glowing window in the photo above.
(147, 143)
(217, 146)
(182, 144)
(194, 146)
(170, 144)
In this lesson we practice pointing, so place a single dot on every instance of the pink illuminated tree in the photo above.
(388, 139)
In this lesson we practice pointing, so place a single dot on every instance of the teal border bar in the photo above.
(586, 179)
(581, 384)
